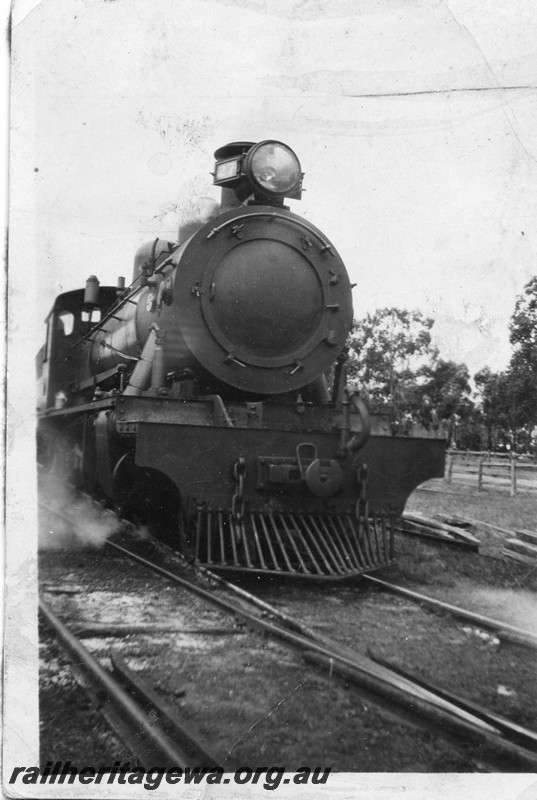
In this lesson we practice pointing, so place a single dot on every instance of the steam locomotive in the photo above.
(196, 400)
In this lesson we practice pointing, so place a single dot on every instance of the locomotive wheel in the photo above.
(147, 498)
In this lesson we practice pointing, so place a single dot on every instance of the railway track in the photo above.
(497, 737)
(129, 706)
(503, 630)
(499, 741)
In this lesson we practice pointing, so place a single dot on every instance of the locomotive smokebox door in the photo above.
(258, 310)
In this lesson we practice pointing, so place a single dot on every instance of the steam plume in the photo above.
(70, 520)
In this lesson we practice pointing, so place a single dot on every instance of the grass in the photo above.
(494, 507)
(450, 571)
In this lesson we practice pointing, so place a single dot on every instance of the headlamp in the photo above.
(273, 169)
(269, 168)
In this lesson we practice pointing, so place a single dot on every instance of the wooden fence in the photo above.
(500, 469)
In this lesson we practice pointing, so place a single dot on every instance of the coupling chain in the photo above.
(237, 501)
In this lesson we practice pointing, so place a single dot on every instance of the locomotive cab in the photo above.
(57, 363)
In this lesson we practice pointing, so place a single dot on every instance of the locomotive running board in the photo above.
(319, 546)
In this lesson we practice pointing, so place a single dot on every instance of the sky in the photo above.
(414, 120)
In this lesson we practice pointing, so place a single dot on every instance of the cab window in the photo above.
(92, 316)
(66, 322)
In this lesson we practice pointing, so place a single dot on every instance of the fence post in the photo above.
(512, 490)
(449, 472)
(480, 475)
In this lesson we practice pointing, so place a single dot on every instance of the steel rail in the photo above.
(152, 704)
(503, 629)
(516, 732)
(144, 732)
(498, 752)
(445, 715)
(288, 621)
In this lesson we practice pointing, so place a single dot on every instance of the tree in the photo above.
(446, 385)
(523, 402)
(445, 394)
(523, 365)
(507, 406)
(523, 327)
(392, 357)
(387, 350)
(493, 389)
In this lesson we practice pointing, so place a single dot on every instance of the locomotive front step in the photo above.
(320, 546)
